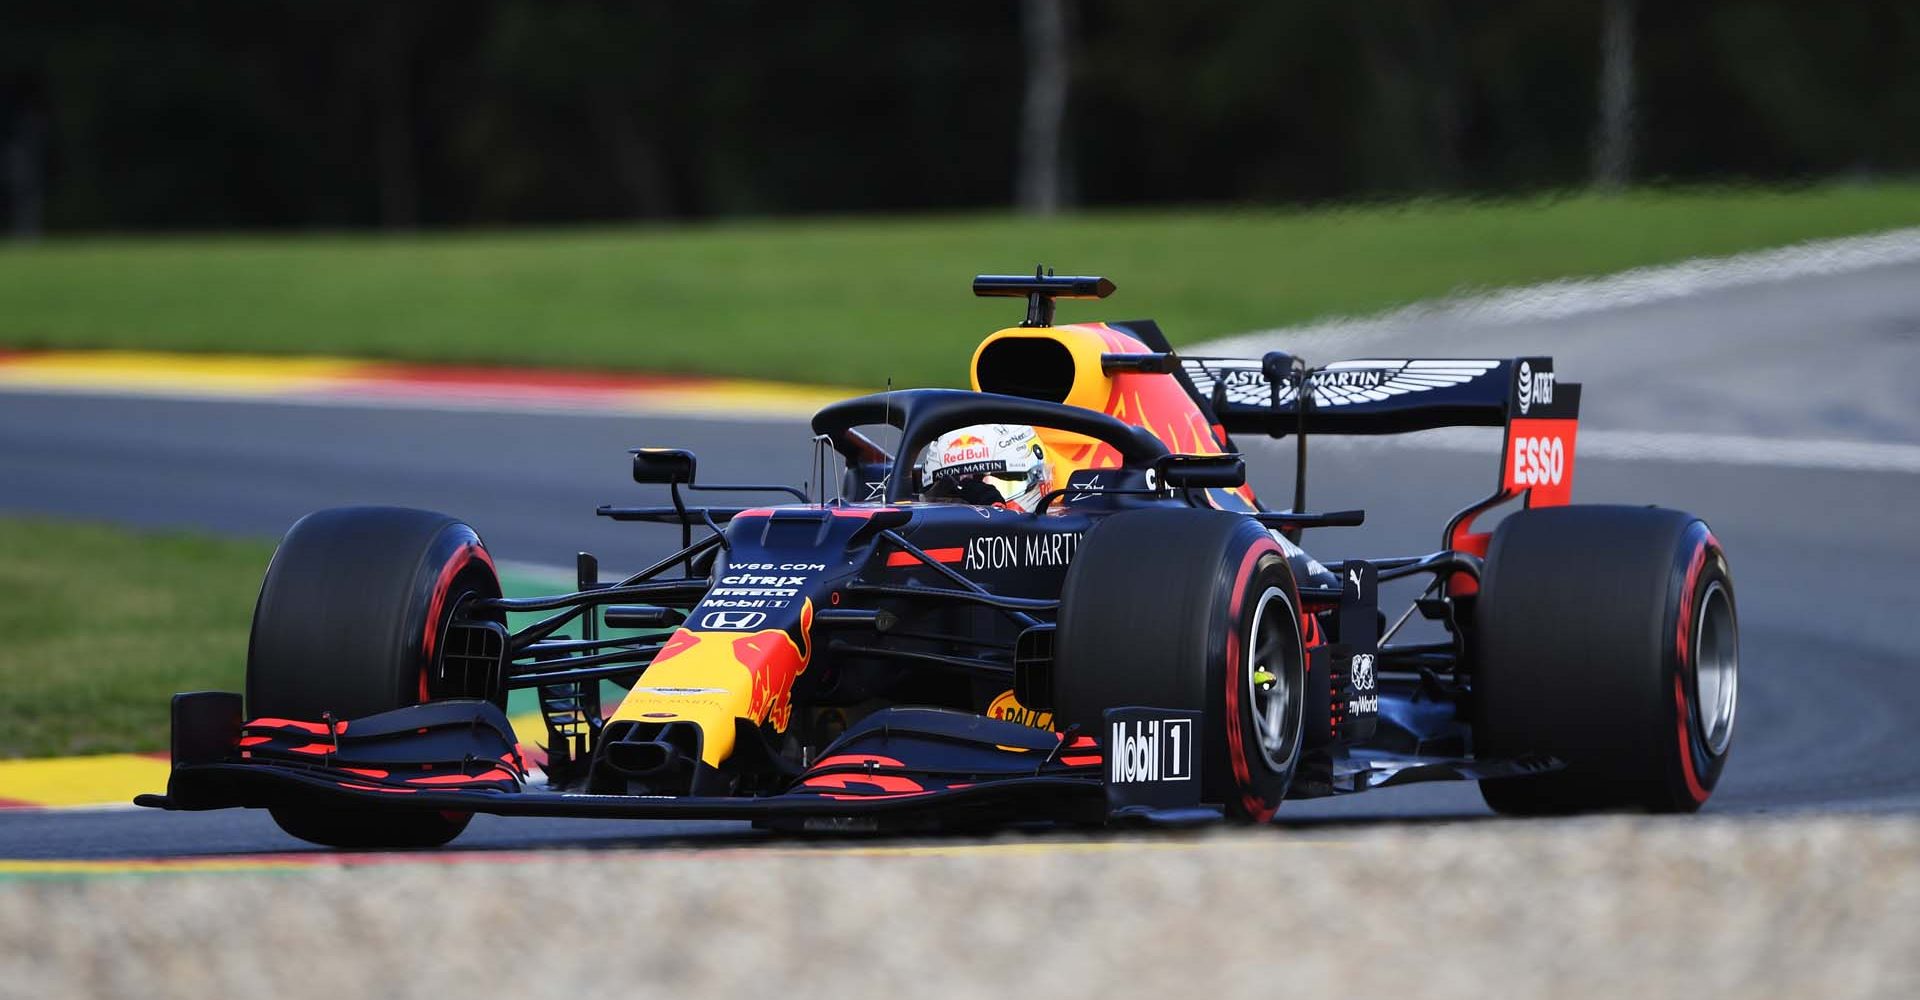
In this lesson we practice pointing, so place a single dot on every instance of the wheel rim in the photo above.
(1276, 680)
(1716, 659)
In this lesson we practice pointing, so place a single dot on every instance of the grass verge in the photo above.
(854, 301)
(102, 625)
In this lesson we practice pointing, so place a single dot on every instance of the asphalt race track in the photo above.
(1823, 556)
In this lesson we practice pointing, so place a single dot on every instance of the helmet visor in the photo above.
(981, 487)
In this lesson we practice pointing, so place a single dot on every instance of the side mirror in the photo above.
(1155, 363)
(642, 616)
(1201, 471)
(662, 465)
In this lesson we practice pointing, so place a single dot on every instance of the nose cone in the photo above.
(714, 678)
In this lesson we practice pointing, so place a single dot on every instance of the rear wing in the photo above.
(1399, 395)
(1390, 396)
(1379, 395)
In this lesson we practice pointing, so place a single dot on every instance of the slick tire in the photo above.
(1177, 608)
(1605, 637)
(349, 624)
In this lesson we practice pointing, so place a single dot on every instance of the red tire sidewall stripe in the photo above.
(469, 553)
(1690, 769)
(1250, 800)
(1687, 772)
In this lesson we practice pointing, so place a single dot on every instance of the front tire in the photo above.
(349, 624)
(1190, 609)
(1606, 637)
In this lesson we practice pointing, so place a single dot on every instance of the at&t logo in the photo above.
(1532, 387)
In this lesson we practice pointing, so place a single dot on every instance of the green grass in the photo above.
(100, 626)
(853, 301)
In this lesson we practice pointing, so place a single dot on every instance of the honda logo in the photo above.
(732, 619)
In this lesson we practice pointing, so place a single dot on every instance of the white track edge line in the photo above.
(1578, 296)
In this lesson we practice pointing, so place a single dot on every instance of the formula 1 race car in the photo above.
(1136, 639)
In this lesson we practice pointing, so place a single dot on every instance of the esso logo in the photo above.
(1539, 461)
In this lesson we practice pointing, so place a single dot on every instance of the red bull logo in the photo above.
(771, 659)
(776, 662)
(964, 448)
(1155, 402)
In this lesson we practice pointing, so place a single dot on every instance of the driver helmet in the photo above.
(987, 464)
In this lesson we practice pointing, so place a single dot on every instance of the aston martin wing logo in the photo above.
(1342, 383)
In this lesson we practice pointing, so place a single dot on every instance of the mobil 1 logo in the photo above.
(1151, 750)
(1153, 758)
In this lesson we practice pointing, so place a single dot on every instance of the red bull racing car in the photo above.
(1050, 598)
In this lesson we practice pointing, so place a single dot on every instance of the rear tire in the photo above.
(1177, 608)
(349, 623)
(1606, 637)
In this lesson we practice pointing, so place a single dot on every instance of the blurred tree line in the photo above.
(120, 114)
